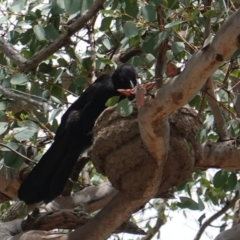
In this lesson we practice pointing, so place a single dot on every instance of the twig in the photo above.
(219, 120)
(162, 50)
(10, 94)
(228, 205)
(159, 223)
(30, 160)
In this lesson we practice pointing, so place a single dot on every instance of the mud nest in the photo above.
(119, 153)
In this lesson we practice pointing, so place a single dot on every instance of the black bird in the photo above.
(74, 135)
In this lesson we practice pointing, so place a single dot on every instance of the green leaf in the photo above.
(131, 8)
(3, 19)
(56, 100)
(220, 178)
(51, 32)
(39, 32)
(2, 106)
(58, 74)
(162, 36)
(148, 45)
(30, 125)
(201, 205)
(112, 101)
(45, 68)
(12, 145)
(80, 81)
(57, 7)
(124, 107)
(3, 127)
(23, 133)
(18, 5)
(26, 37)
(2, 74)
(19, 79)
(46, 94)
(178, 47)
(130, 30)
(72, 6)
(172, 24)
(9, 158)
(232, 181)
(13, 37)
(149, 13)
(188, 203)
(85, 5)
(13, 160)
(105, 24)
(62, 62)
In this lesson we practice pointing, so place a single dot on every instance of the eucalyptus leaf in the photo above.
(23, 133)
(19, 79)
(130, 29)
(112, 101)
(220, 178)
(3, 127)
(149, 13)
(172, 24)
(72, 6)
(18, 5)
(124, 107)
(39, 32)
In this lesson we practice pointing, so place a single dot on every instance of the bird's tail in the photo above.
(48, 178)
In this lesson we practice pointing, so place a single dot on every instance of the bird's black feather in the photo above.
(74, 135)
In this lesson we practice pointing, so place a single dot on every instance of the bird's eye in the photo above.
(122, 79)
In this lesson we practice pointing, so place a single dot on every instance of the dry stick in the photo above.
(219, 120)
(215, 216)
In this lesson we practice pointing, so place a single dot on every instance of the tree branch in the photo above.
(47, 51)
(219, 120)
(27, 65)
(11, 94)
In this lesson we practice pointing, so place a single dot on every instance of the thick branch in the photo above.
(184, 87)
(220, 155)
(107, 219)
(12, 54)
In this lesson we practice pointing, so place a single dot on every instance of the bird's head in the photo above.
(124, 77)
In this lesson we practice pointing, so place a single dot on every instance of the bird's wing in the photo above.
(82, 103)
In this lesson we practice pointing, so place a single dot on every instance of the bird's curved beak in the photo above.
(131, 83)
